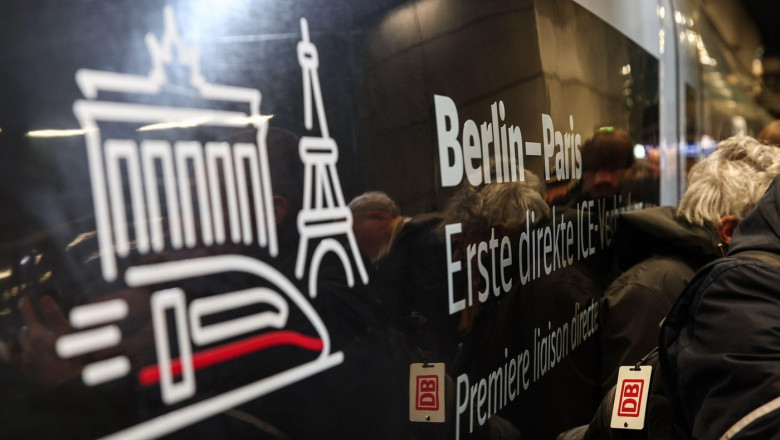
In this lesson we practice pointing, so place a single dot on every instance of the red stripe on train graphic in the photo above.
(150, 375)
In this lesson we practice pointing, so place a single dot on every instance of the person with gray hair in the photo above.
(490, 212)
(719, 345)
(408, 280)
(376, 220)
(497, 319)
(660, 249)
(727, 185)
(503, 205)
(374, 201)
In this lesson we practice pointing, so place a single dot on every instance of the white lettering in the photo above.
(452, 267)
(447, 130)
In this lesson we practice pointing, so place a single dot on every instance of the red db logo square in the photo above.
(630, 402)
(427, 396)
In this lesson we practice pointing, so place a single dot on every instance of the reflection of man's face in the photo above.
(602, 182)
(373, 232)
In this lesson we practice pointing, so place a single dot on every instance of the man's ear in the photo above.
(728, 225)
(280, 208)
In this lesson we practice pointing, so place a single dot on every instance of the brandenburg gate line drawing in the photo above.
(324, 212)
(239, 163)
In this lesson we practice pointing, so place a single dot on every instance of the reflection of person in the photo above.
(770, 134)
(722, 188)
(33, 374)
(720, 346)
(640, 184)
(488, 214)
(376, 220)
(533, 321)
(412, 279)
(605, 158)
(356, 326)
(661, 248)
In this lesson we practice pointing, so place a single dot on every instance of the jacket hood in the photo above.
(657, 231)
(760, 229)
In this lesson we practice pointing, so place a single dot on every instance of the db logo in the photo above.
(427, 396)
(630, 402)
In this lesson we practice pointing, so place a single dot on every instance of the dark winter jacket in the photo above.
(720, 344)
(660, 255)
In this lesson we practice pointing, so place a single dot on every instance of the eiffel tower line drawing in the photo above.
(324, 214)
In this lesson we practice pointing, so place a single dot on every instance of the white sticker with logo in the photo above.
(426, 392)
(630, 406)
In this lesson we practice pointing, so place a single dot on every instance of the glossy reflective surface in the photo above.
(178, 255)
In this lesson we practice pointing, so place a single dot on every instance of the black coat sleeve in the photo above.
(729, 366)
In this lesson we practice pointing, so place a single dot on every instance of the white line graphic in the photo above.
(172, 299)
(96, 339)
(203, 307)
(191, 151)
(324, 213)
(152, 193)
(98, 313)
(88, 341)
(180, 270)
(105, 156)
(186, 416)
(105, 371)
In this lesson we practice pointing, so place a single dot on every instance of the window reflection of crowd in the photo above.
(412, 285)
(411, 279)
(402, 315)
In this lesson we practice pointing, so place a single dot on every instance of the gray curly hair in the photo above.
(730, 181)
(374, 201)
(479, 208)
